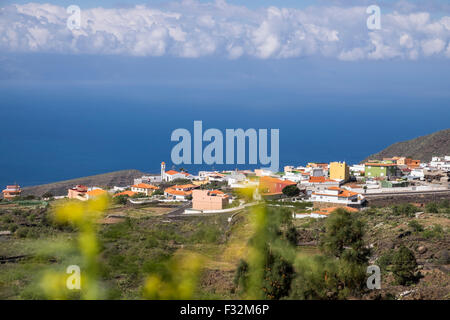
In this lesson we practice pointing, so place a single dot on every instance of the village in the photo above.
(324, 186)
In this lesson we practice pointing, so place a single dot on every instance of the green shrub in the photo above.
(343, 237)
(321, 277)
(291, 191)
(122, 199)
(406, 209)
(206, 234)
(432, 207)
(22, 232)
(436, 232)
(385, 261)
(404, 266)
(415, 226)
(444, 204)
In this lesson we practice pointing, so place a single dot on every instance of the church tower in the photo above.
(163, 171)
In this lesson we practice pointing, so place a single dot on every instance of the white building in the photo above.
(441, 163)
(235, 178)
(173, 175)
(337, 195)
(295, 176)
(356, 169)
(418, 173)
(148, 189)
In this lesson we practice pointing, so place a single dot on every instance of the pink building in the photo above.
(78, 192)
(208, 200)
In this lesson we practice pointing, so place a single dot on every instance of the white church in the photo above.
(165, 176)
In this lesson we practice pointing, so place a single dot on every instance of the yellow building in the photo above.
(339, 171)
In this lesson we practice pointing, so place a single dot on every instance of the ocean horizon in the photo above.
(53, 131)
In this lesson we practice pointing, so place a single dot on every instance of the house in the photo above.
(145, 188)
(442, 163)
(180, 192)
(380, 170)
(125, 193)
(172, 175)
(263, 172)
(82, 193)
(273, 186)
(338, 196)
(78, 192)
(295, 176)
(288, 169)
(320, 183)
(209, 200)
(11, 192)
(418, 173)
(358, 169)
(94, 193)
(339, 171)
(235, 177)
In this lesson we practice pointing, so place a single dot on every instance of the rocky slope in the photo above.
(421, 148)
(117, 178)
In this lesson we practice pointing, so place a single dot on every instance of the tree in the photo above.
(343, 237)
(326, 277)
(291, 191)
(278, 274)
(122, 199)
(47, 194)
(404, 266)
(274, 269)
(415, 226)
(158, 192)
(432, 207)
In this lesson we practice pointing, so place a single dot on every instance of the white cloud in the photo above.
(193, 29)
(433, 46)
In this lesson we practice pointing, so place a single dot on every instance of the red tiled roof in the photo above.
(144, 186)
(321, 179)
(125, 193)
(381, 164)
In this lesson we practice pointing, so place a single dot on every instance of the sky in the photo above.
(194, 29)
(81, 101)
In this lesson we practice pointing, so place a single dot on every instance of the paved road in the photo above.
(179, 210)
(402, 193)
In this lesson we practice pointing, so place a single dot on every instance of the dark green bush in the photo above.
(432, 207)
(436, 232)
(406, 209)
(404, 266)
(415, 226)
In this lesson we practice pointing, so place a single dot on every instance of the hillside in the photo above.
(421, 148)
(117, 178)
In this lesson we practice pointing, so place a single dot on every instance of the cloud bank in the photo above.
(191, 29)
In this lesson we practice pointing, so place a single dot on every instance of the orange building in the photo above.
(180, 192)
(270, 185)
(209, 200)
(404, 161)
(11, 192)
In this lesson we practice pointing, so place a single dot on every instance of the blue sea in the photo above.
(64, 117)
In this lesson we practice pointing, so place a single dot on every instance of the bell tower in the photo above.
(163, 171)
